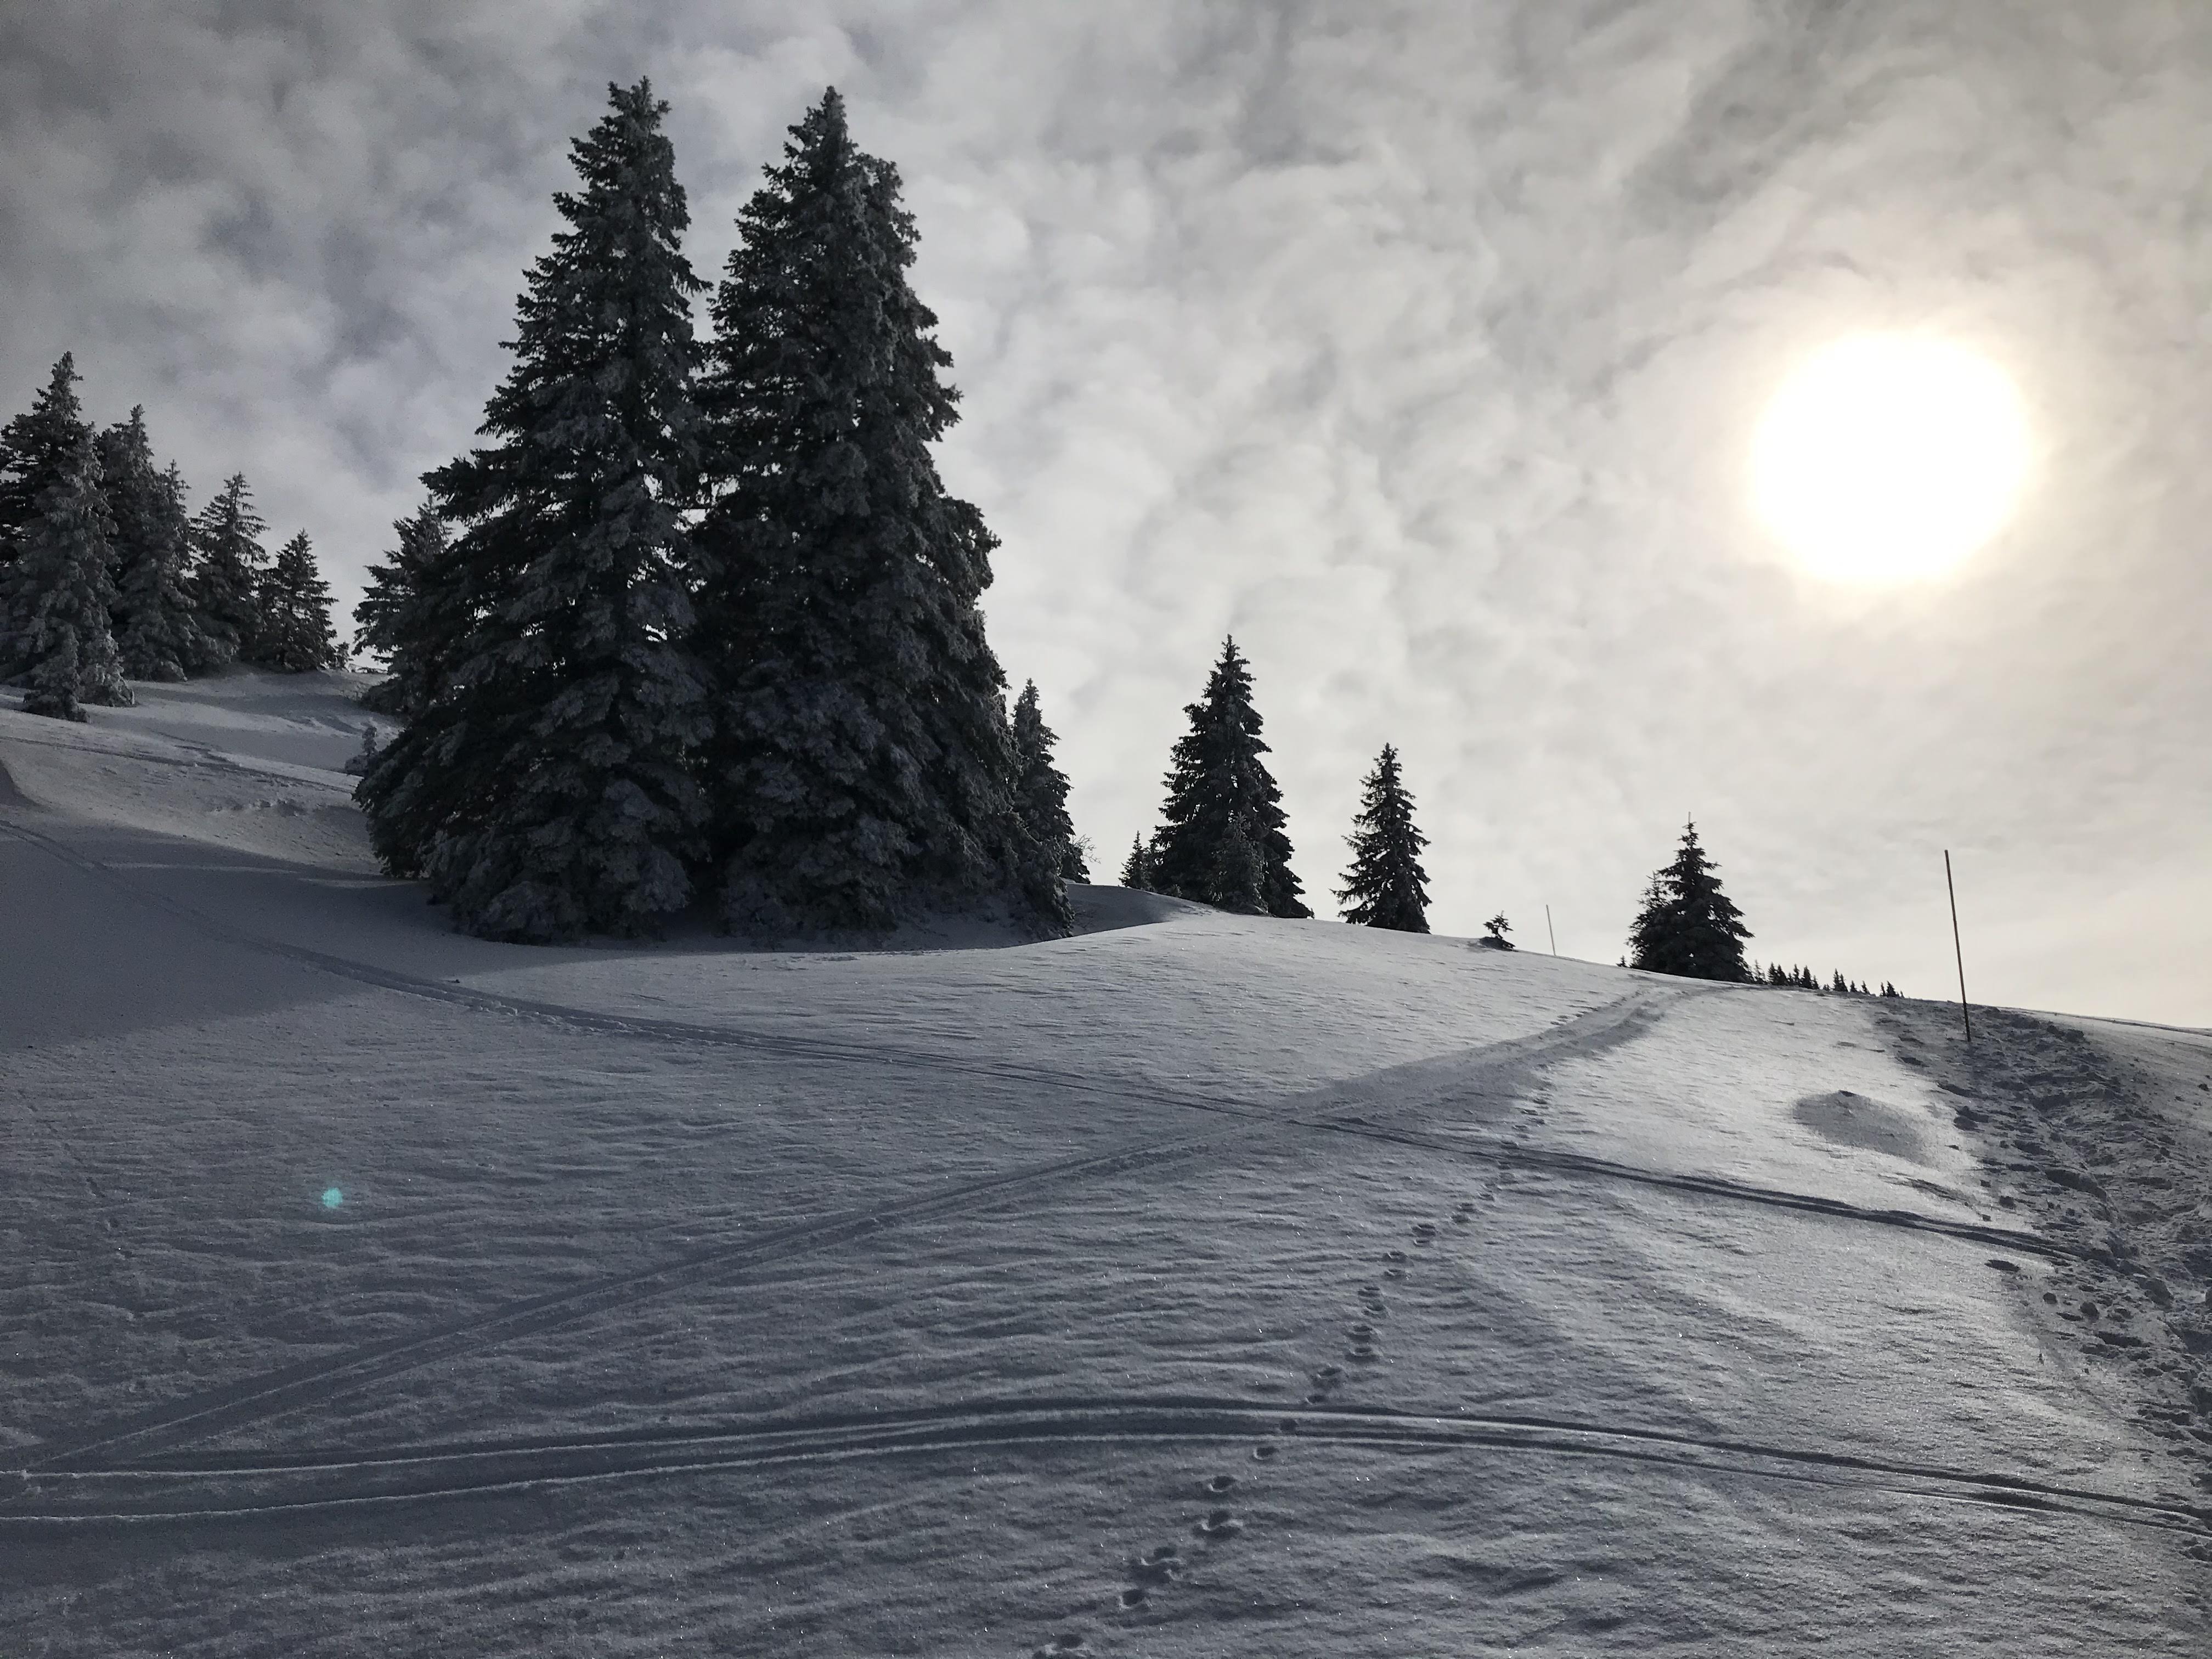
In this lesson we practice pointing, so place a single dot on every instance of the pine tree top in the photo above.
(615, 290)
(36, 447)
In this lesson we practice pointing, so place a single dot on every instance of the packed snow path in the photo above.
(1194, 1286)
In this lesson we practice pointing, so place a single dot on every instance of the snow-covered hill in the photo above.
(1197, 1284)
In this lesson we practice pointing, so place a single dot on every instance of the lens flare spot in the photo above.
(332, 1198)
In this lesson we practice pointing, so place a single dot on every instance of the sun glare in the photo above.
(1889, 458)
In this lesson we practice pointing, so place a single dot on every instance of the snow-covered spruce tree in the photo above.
(546, 791)
(157, 627)
(57, 596)
(1136, 869)
(1041, 788)
(35, 450)
(1688, 926)
(1386, 886)
(414, 616)
(1220, 784)
(292, 631)
(860, 768)
(226, 536)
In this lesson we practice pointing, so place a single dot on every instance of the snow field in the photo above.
(1202, 1285)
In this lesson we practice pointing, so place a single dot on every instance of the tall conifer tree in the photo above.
(547, 791)
(861, 767)
(227, 535)
(413, 616)
(293, 631)
(36, 448)
(1688, 926)
(1041, 788)
(1223, 814)
(57, 596)
(1386, 886)
(157, 628)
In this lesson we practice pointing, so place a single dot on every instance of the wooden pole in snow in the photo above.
(1951, 887)
(1547, 929)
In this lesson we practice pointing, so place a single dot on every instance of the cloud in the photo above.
(1416, 344)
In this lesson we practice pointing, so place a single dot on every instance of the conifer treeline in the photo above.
(106, 577)
(699, 619)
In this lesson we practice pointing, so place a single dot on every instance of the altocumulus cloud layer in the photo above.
(1417, 344)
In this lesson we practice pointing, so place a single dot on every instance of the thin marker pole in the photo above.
(1965, 1012)
(1548, 929)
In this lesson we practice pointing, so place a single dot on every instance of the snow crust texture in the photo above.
(1198, 1285)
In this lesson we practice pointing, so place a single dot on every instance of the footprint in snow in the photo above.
(1392, 1273)
(1157, 1567)
(1219, 1484)
(1262, 1452)
(1068, 1643)
(1219, 1524)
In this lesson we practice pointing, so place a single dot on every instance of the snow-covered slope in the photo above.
(1197, 1284)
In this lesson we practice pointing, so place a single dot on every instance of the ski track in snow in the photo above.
(178, 1489)
(265, 1397)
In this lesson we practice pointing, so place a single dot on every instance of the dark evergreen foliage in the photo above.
(1495, 930)
(1041, 788)
(415, 615)
(860, 766)
(1220, 794)
(157, 626)
(226, 536)
(36, 449)
(1136, 869)
(1386, 886)
(57, 596)
(547, 789)
(1688, 926)
(292, 632)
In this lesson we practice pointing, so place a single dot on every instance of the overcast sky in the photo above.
(1418, 344)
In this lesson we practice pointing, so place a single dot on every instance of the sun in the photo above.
(1889, 458)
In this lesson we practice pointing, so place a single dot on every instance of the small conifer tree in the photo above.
(1386, 886)
(548, 790)
(1136, 869)
(292, 630)
(1041, 788)
(226, 536)
(1495, 931)
(57, 596)
(1219, 783)
(1688, 926)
